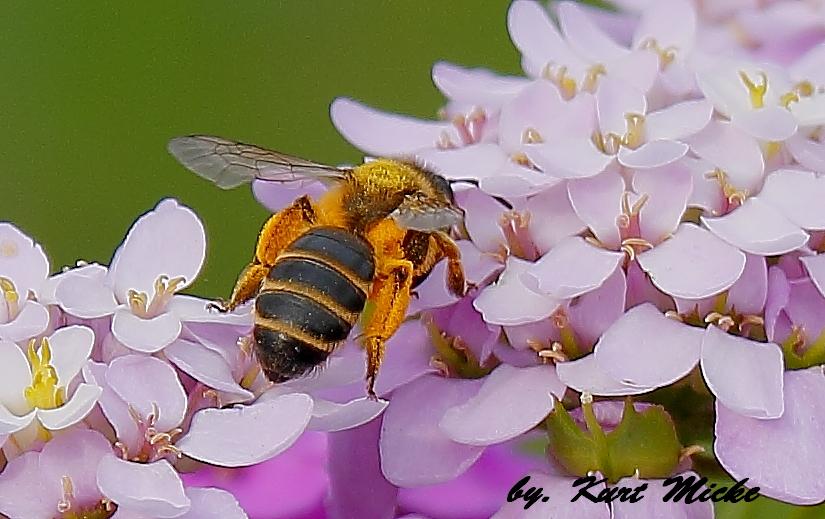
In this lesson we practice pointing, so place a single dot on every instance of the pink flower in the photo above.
(161, 255)
(23, 272)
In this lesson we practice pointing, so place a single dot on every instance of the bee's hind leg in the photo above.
(391, 296)
(280, 230)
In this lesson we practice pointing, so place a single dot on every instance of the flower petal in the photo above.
(153, 489)
(191, 309)
(815, 265)
(475, 86)
(407, 358)
(598, 201)
(634, 350)
(560, 492)
(331, 417)
(772, 123)
(584, 36)
(510, 402)
(509, 302)
(655, 505)
(745, 375)
(414, 450)
(383, 134)
(652, 154)
(75, 454)
(668, 190)
(212, 503)
(586, 374)
(593, 313)
(552, 205)
(693, 263)
(758, 228)
(15, 373)
(750, 291)
(247, 434)
(23, 491)
(789, 441)
(668, 23)
(616, 99)
(114, 408)
(79, 405)
(678, 120)
(86, 296)
(572, 268)
(22, 260)
(732, 151)
(71, 347)
(798, 196)
(147, 384)
(538, 40)
(809, 153)
(145, 335)
(168, 240)
(32, 320)
(11, 423)
(569, 158)
(278, 195)
(206, 366)
(482, 215)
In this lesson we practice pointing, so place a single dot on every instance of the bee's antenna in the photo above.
(474, 182)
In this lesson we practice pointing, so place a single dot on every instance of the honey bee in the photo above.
(374, 235)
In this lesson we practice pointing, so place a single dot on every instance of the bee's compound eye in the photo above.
(443, 185)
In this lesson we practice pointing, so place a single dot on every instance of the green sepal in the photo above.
(814, 355)
(644, 440)
(573, 448)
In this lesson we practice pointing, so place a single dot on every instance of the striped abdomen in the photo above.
(310, 300)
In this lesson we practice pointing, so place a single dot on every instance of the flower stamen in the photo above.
(11, 296)
(65, 502)
(43, 392)
(756, 91)
(666, 55)
(164, 287)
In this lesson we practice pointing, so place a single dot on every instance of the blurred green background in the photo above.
(90, 92)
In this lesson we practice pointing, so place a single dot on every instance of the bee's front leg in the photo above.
(455, 271)
(391, 296)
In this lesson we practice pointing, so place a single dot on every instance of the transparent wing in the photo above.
(229, 163)
(427, 215)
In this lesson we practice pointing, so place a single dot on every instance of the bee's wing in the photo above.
(427, 215)
(229, 163)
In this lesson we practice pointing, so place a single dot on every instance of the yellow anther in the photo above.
(591, 78)
(164, 287)
(608, 144)
(755, 90)
(9, 292)
(788, 98)
(666, 55)
(676, 316)
(629, 246)
(531, 136)
(732, 195)
(445, 142)
(43, 392)
(567, 85)
(634, 137)
(522, 159)
(804, 88)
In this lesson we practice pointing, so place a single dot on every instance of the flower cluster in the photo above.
(647, 222)
(114, 383)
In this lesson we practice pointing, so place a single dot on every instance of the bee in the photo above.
(374, 235)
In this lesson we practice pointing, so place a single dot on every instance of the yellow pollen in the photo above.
(531, 136)
(522, 159)
(608, 144)
(8, 249)
(591, 79)
(799, 90)
(43, 392)
(788, 98)
(165, 288)
(666, 55)
(11, 296)
(732, 195)
(634, 136)
(629, 246)
(755, 90)
(567, 85)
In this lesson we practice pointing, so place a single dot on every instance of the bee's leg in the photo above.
(282, 228)
(278, 232)
(391, 296)
(455, 272)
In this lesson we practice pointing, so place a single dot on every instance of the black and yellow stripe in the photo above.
(311, 299)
